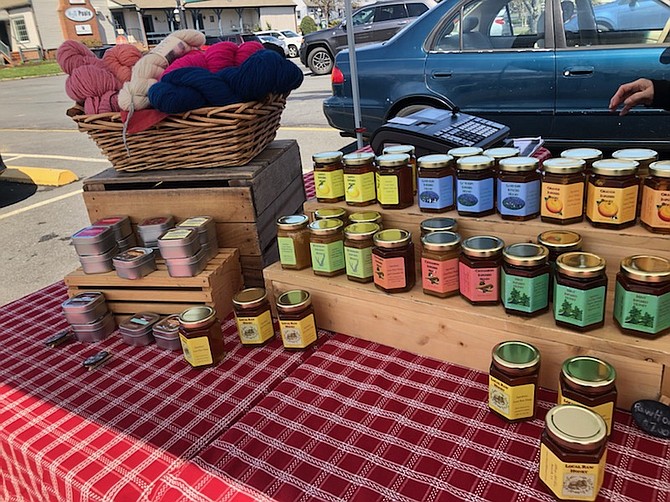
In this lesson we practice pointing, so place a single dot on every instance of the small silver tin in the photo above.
(85, 308)
(95, 331)
(150, 229)
(120, 225)
(135, 263)
(188, 267)
(178, 242)
(137, 330)
(166, 333)
(93, 240)
(98, 263)
(205, 226)
(127, 243)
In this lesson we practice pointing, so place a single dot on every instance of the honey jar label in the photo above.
(479, 284)
(197, 351)
(360, 187)
(526, 294)
(255, 329)
(641, 312)
(440, 276)
(605, 410)
(474, 196)
(327, 257)
(655, 210)
(581, 308)
(389, 273)
(298, 334)
(387, 189)
(286, 251)
(611, 205)
(518, 199)
(512, 402)
(358, 262)
(436, 193)
(329, 184)
(562, 202)
(568, 480)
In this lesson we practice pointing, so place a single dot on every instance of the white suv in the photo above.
(290, 38)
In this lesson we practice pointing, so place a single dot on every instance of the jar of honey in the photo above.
(558, 242)
(326, 244)
(643, 156)
(409, 150)
(201, 337)
(611, 194)
(436, 183)
(588, 155)
(518, 188)
(438, 224)
(253, 317)
(358, 244)
(393, 261)
(394, 181)
(525, 279)
(359, 178)
(366, 217)
(293, 241)
(439, 263)
(464, 151)
(655, 210)
(479, 269)
(328, 176)
(296, 320)
(500, 153)
(563, 183)
(475, 187)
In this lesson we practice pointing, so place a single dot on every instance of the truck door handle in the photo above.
(578, 71)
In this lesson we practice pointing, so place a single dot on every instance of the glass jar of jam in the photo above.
(439, 263)
(643, 156)
(328, 176)
(394, 181)
(525, 279)
(326, 244)
(518, 188)
(590, 382)
(513, 379)
(366, 217)
(580, 290)
(573, 449)
(358, 246)
(436, 183)
(359, 178)
(479, 269)
(438, 224)
(655, 209)
(558, 242)
(562, 191)
(499, 153)
(331, 213)
(201, 337)
(642, 296)
(588, 155)
(464, 151)
(393, 261)
(296, 320)
(409, 150)
(611, 194)
(293, 241)
(253, 316)
(475, 187)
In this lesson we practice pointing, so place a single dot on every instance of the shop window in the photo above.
(21, 30)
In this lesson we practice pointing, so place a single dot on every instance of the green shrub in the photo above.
(307, 25)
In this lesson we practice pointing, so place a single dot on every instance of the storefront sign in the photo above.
(83, 29)
(79, 14)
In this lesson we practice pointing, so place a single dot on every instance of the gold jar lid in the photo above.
(441, 241)
(358, 158)
(482, 246)
(408, 149)
(329, 213)
(580, 264)
(526, 254)
(660, 168)
(435, 161)
(563, 165)
(588, 371)
(515, 354)
(501, 152)
(518, 164)
(293, 300)
(249, 298)
(438, 224)
(293, 222)
(475, 163)
(361, 231)
(196, 317)
(615, 167)
(639, 154)
(646, 268)
(327, 157)
(465, 151)
(392, 238)
(392, 160)
(326, 227)
(560, 240)
(587, 154)
(576, 427)
(366, 217)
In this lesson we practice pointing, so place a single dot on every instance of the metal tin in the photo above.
(135, 263)
(179, 243)
(137, 329)
(95, 331)
(205, 226)
(189, 266)
(166, 333)
(127, 243)
(98, 263)
(150, 229)
(93, 240)
(84, 308)
(438, 224)
(120, 225)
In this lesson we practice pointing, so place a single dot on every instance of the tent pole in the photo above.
(351, 44)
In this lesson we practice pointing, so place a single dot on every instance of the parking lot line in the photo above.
(40, 204)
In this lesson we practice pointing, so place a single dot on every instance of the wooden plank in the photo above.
(200, 295)
(163, 308)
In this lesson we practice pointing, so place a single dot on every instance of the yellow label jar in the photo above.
(563, 183)
(573, 451)
(439, 263)
(394, 181)
(409, 150)
(201, 336)
(253, 316)
(296, 319)
(359, 178)
(366, 217)
(393, 261)
(513, 377)
(611, 194)
(326, 244)
(328, 176)
(643, 156)
(358, 244)
(293, 241)
(655, 209)
(524, 285)
(588, 155)
(436, 183)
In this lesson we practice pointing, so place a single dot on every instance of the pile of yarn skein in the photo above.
(176, 76)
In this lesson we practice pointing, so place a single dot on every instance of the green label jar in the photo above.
(326, 244)
(525, 279)
(358, 244)
(293, 241)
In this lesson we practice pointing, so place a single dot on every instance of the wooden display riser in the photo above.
(244, 201)
(453, 330)
(162, 294)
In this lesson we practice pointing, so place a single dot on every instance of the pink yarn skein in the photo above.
(245, 50)
(72, 54)
(220, 55)
(92, 86)
(193, 58)
(121, 59)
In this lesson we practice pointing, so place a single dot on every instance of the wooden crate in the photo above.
(244, 201)
(160, 293)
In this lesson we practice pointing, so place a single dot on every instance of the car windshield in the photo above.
(289, 33)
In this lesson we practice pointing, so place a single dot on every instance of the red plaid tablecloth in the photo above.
(71, 434)
(361, 421)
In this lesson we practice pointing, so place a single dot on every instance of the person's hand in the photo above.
(639, 92)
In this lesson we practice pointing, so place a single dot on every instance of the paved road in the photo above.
(37, 222)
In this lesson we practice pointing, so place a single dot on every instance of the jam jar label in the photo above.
(286, 251)
(197, 351)
(518, 199)
(329, 184)
(562, 202)
(479, 284)
(526, 294)
(387, 189)
(611, 205)
(512, 402)
(360, 187)
(298, 334)
(579, 307)
(327, 257)
(255, 329)
(358, 262)
(389, 273)
(440, 276)
(474, 196)
(436, 193)
(641, 312)
(605, 410)
(571, 481)
(655, 210)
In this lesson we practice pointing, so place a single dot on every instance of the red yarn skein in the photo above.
(193, 58)
(221, 55)
(245, 50)
(121, 59)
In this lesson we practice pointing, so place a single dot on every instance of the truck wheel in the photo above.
(320, 61)
(292, 51)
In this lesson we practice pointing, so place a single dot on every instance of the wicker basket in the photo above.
(207, 137)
